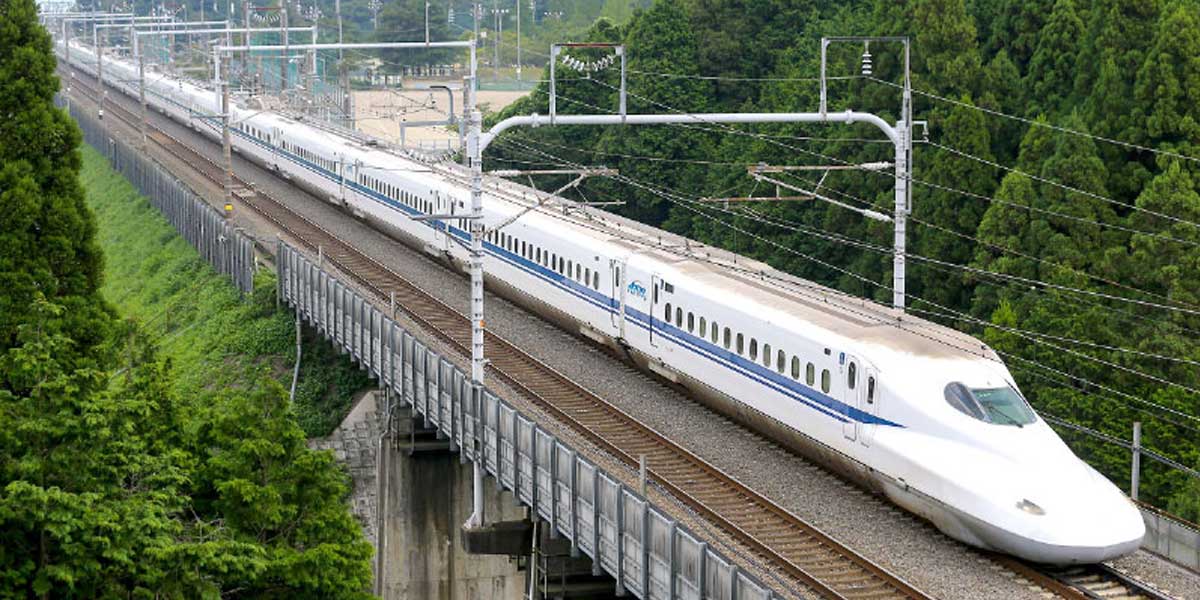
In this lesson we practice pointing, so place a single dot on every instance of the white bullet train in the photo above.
(923, 414)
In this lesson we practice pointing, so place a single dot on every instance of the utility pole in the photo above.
(98, 43)
(141, 60)
(283, 63)
(1135, 470)
(226, 143)
(343, 71)
(496, 44)
(903, 154)
(518, 40)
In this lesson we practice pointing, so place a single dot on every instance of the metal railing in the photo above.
(645, 550)
(225, 247)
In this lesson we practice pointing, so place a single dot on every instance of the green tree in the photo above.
(942, 218)
(665, 43)
(270, 491)
(90, 481)
(47, 236)
(1052, 67)
(1167, 91)
(1016, 28)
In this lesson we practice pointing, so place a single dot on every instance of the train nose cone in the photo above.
(1086, 522)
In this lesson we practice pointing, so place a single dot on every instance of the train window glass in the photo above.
(958, 396)
(596, 280)
(870, 390)
(691, 322)
(727, 338)
(715, 329)
(753, 347)
(1002, 406)
(852, 375)
(678, 317)
(587, 275)
(825, 380)
(570, 267)
(578, 271)
(667, 313)
(538, 254)
(703, 328)
(796, 368)
(523, 248)
(766, 355)
(810, 374)
(780, 359)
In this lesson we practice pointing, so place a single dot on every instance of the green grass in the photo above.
(213, 337)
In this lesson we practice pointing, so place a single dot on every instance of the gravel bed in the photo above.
(904, 544)
(1161, 573)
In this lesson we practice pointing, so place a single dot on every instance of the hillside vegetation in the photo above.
(120, 475)
(1055, 233)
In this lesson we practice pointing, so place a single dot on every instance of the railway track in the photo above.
(775, 536)
(1084, 582)
(799, 552)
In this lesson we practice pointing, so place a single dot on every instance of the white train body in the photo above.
(852, 384)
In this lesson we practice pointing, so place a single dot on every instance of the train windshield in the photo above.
(1002, 406)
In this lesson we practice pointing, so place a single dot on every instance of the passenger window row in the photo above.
(712, 331)
(563, 266)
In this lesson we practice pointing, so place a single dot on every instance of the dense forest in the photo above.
(113, 483)
(1056, 202)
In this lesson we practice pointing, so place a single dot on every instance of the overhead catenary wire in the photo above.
(1063, 186)
(976, 270)
(672, 198)
(1037, 123)
(945, 188)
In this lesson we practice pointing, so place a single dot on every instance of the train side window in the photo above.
(716, 332)
(753, 349)
(678, 317)
(810, 374)
(727, 338)
(596, 280)
(578, 271)
(796, 368)
(825, 380)
(852, 376)
(703, 328)
(780, 359)
(538, 254)
(667, 313)
(870, 390)
(766, 355)
(587, 275)
(523, 253)
(691, 322)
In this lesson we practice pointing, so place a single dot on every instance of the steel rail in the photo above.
(772, 533)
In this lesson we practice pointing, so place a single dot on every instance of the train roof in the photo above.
(857, 320)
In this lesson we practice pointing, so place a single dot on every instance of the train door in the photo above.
(871, 397)
(655, 285)
(440, 226)
(617, 276)
(341, 167)
(272, 140)
(852, 392)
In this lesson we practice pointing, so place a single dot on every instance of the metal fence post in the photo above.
(1135, 472)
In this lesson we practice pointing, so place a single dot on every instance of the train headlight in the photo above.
(1031, 508)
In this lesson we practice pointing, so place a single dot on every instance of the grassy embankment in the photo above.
(214, 338)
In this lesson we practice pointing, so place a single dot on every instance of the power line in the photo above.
(945, 188)
(1037, 123)
(675, 198)
(1062, 185)
(976, 270)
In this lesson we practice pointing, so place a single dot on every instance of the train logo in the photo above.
(637, 289)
